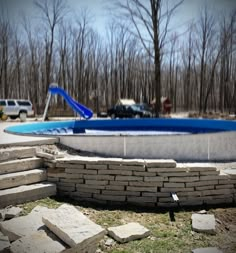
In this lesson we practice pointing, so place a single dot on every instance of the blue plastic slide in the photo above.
(79, 108)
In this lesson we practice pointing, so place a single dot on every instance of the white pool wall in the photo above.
(219, 146)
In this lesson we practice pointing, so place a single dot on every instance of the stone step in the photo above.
(7, 154)
(26, 193)
(22, 178)
(20, 165)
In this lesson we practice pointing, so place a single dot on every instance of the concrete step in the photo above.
(7, 154)
(22, 178)
(26, 193)
(20, 165)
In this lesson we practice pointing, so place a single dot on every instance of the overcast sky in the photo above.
(188, 11)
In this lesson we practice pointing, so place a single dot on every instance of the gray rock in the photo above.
(99, 251)
(24, 225)
(109, 242)
(12, 212)
(207, 250)
(74, 228)
(4, 243)
(38, 242)
(204, 223)
(128, 232)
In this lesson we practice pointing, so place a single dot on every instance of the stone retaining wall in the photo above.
(140, 182)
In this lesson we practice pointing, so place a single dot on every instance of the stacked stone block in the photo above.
(140, 182)
(22, 176)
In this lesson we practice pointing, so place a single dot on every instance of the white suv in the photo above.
(17, 108)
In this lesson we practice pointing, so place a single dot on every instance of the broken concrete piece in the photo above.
(4, 243)
(50, 155)
(128, 232)
(2, 214)
(24, 225)
(207, 250)
(12, 212)
(204, 223)
(73, 227)
(38, 242)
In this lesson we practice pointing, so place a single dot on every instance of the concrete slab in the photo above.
(38, 242)
(22, 178)
(12, 212)
(24, 193)
(4, 243)
(128, 232)
(7, 139)
(207, 250)
(11, 153)
(24, 225)
(20, 165)
(204, 223)
(73, 227)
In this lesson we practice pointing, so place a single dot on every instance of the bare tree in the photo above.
(206, 34)
(52, 14)
(227, 56)
(5, 38)
(152, 20)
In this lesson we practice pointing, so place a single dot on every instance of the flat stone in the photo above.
(204, 223)
(231, 172)
(128, 232)
(38, 242)
(12, 212)
(22, 178)
(4, 243)
(20, 165)
(16, 152)
(46, 155)
(24, 193)
(24, 225)
(207, 250)
(160, 163)
(73, 227)
(200, 167)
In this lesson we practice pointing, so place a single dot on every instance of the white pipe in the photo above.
(49, 95)
(46, 107)
(124, 147)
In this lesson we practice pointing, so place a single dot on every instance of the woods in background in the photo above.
(197, 70)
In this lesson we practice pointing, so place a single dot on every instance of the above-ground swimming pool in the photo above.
(179, 139)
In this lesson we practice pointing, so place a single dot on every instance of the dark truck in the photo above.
(128, 111)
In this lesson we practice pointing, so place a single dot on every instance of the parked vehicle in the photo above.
(128, 111)
(145, 107)
(15, 108)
